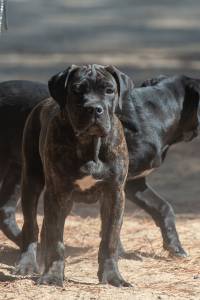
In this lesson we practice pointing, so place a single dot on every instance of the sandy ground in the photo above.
(143, 38)
(153, 274)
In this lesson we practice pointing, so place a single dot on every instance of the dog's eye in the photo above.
(76, 88)
(80, 88)
(109, 90)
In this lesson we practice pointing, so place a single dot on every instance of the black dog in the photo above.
(72, 136)
(163, 112)
(17, 98)
(146, 115)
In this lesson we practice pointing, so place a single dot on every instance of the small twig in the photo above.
(150, 243)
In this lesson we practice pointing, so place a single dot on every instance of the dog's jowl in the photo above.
(73, 135)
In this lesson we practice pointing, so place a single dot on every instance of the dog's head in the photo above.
(90, 95)
(190, 115)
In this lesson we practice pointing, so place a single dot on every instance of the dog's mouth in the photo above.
(98, 131)
(93, 129)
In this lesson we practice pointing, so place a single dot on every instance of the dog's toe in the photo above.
(27, 264)
(50, 279)
(54, 275)
(179, 252)
(115, 279)
(26, 269)
(176, 251)
(117, 282)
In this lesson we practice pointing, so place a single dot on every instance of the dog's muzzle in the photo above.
(94, 110)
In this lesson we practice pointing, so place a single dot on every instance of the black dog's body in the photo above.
(162, 112)
(17, 99)
(155, 117)
(60, 148)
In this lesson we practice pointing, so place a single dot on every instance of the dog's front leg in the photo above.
(56, 207)
(112, 210)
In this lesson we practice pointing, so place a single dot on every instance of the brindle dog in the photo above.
(73, 135)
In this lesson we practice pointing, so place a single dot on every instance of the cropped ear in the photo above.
(58, 83)
(124, 84)
(190, 117)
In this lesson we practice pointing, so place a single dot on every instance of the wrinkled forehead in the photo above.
(94, 73)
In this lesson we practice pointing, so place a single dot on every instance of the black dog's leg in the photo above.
(55, 212)
(160, 210)
(9, 193)
(111, 216)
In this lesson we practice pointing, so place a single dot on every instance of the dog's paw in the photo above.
(89, 168)
(54, 276)
(175, 250)
(27, 264)
(114, 279)
(109, 274)
(50, 279)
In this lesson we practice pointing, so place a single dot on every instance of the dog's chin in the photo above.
(98, 131)
(93, 130)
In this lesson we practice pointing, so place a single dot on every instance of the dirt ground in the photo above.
(153, 274)
(143, 38)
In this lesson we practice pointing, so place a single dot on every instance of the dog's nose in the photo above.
(97, 110)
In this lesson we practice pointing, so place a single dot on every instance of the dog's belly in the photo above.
(86, 183)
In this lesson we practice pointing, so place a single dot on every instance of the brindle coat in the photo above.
(60, 147)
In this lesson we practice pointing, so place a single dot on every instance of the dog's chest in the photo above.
(86, 183)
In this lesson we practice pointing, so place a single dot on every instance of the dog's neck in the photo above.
(83, 141)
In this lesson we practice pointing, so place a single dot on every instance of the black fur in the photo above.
(17, 98)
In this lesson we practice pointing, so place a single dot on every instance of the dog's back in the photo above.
(17, 98)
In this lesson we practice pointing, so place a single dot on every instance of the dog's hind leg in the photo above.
(139, 192)
(31, 188)
(9, 193)
(32, 185)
